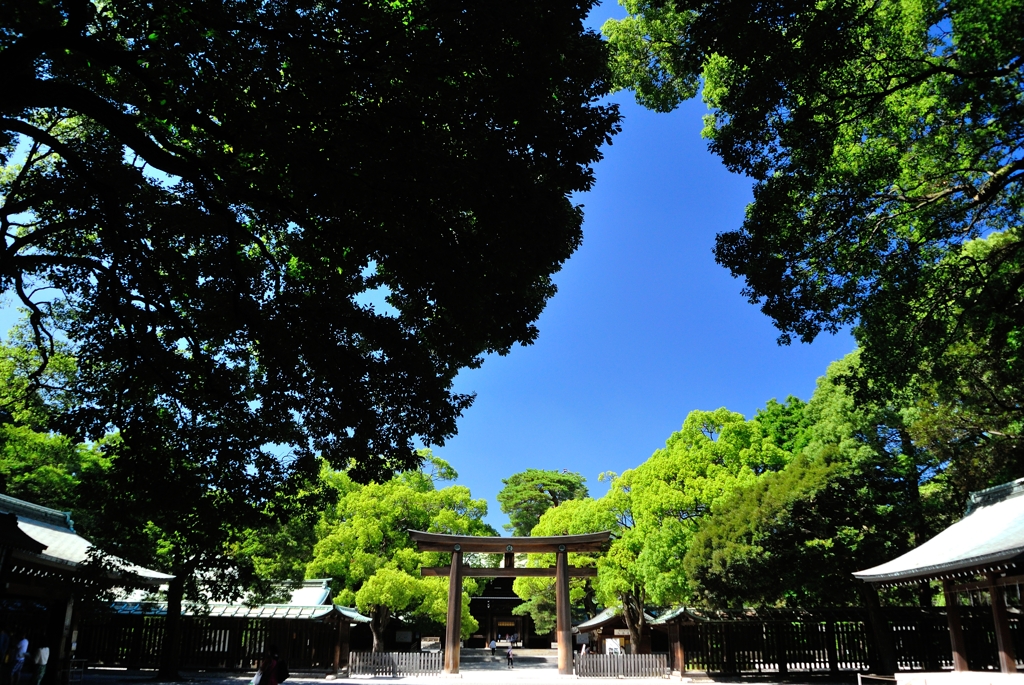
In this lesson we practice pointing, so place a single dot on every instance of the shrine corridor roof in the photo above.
(989, 537)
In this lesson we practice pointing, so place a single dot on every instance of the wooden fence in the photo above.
(621, 665)
(835, 641)
(135, 641)
(395, 663)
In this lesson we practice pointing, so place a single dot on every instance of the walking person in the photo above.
(494, 646)
(40, 659)
(20, 652)
(268, 668)
(508, 654)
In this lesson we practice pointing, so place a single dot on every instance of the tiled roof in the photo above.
(63, 546)
(607, 616)
(218, 609)
(312, 592)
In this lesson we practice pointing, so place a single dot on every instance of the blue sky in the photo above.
(645, 326)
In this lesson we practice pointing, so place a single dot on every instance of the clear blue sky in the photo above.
(645, 326)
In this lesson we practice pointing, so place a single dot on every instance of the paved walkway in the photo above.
(477, 676)
(528, 676)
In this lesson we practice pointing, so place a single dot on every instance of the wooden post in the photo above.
(65, 647)
(779, 629)
(341, 644)
(830, 647)
(956, 631)
(563, 625)
(1004, 643)
(453, 628)
(675, 644)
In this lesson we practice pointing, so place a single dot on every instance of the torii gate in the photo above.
(559, 545)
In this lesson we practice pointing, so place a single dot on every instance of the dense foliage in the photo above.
(273, 233)
(363, 544)
(528, 494)
(775, 511)
(212, 200)
(37, 463)
(883, 138)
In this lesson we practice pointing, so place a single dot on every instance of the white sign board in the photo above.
(612, 646)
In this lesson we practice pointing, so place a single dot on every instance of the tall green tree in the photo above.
(659, 505)
(363, 544)
(572, 517)
(274, 231)
(881, 137)
(37, 463)
(182, 176)
(970, 411)
(858, 494)
(654, 510)
(530, 493)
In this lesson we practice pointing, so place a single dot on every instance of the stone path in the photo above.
(485, 673)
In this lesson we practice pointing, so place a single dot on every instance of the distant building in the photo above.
(493, 611)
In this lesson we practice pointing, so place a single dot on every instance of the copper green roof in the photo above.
(62, 547)
(218, 609)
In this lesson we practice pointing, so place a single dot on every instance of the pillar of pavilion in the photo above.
(559, 545)
(982, 552)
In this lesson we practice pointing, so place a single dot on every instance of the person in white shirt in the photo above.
(41, 658)
(20, 652)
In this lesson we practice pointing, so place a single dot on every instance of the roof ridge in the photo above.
(993, 495)
(37, 512)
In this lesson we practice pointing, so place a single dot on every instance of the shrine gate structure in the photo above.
(559, 545)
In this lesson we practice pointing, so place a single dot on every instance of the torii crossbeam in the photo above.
(559, 545)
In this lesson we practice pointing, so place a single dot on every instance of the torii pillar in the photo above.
(559, 545)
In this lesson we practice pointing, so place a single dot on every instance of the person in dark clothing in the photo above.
(269, 667)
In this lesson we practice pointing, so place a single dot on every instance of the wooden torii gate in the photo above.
(559, 545)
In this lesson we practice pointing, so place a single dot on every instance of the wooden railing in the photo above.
(208, 643)
(838, 640)
(621, 666)
(394, 663)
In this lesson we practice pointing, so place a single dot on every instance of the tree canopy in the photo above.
(882, 138)
(859, 493)
(363, 544)
(211, 202)
(773, 511)
(530, 493)
(37, 463)
(654, 511)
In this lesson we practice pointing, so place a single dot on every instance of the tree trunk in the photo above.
(379, 619)
(633, 613)
(588, 599)
(170, 652)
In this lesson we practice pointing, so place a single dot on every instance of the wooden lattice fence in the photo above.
(834, 641)
(394, 664)
(621, 665)
(213, 643)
